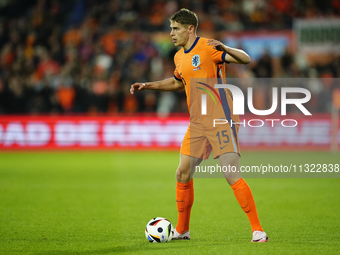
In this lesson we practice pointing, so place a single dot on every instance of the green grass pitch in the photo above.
(99, 203)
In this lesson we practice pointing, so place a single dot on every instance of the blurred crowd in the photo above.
(67, 57)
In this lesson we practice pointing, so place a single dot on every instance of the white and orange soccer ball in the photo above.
(159, 230)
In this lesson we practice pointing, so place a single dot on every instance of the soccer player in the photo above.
(204, 58)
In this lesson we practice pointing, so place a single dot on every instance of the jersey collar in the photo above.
(193, 45)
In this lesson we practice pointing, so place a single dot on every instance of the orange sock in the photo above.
(184, 200)
(245, 199)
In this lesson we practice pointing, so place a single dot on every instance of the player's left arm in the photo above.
(233, 55)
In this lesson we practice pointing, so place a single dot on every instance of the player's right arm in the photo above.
(167, 85)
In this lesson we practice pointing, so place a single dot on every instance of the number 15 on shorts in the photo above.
(223, 138)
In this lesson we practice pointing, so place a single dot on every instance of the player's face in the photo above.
(179, 33)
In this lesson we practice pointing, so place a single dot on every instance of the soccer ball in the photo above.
(159, 230)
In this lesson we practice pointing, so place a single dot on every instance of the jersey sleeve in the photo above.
(176, 75)
(218, 56)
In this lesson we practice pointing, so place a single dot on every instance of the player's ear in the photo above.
(191, 29)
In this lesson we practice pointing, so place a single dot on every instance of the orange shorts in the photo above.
(199, 142)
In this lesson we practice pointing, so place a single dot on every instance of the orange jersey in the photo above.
(204, 63)
(200, 61)
(200, 68)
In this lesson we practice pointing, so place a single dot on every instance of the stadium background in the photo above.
(66, 70)
(66, 58)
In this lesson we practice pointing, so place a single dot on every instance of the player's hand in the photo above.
(216, 45)
(137, 87)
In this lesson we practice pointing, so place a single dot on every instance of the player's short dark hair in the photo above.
(185, 17)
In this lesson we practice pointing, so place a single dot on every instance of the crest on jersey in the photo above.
(195, 61)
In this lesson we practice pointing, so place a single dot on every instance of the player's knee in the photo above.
(183, 175)
(232, 181)
(232, 175)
